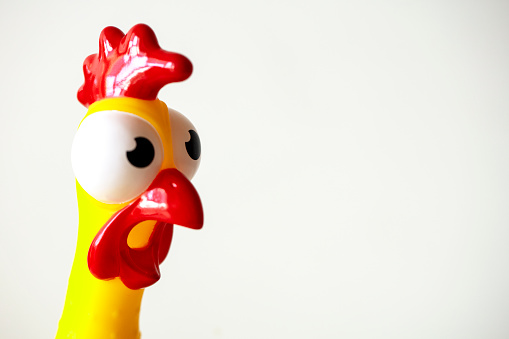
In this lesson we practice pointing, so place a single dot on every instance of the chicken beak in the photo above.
(170, 199)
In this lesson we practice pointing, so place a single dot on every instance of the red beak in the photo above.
(170, 199)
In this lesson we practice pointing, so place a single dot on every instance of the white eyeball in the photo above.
(186, 144)
(116, 155)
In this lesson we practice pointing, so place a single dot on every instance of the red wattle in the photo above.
(171, 199)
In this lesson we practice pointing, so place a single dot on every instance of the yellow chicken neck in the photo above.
(97, 309)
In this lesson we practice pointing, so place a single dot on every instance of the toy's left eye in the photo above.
(186, 144)
(116, 155)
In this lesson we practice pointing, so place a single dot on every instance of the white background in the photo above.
(354, 173)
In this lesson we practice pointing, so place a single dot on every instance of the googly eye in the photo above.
(186, 144)
(116, 155)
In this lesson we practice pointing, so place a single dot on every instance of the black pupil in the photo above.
(193, 146)
(143, 154)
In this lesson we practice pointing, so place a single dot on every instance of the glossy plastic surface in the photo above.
(103, 167)
(171, 199)
(131, 65)
(121, 244)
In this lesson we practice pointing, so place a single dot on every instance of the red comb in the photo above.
(131, 65)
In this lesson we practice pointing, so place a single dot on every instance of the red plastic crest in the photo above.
(131, 65)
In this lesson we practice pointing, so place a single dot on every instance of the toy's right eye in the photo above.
(116, 155)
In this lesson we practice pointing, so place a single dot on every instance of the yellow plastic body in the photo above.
(97, 309)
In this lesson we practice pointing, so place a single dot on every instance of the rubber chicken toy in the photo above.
(133, 159)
